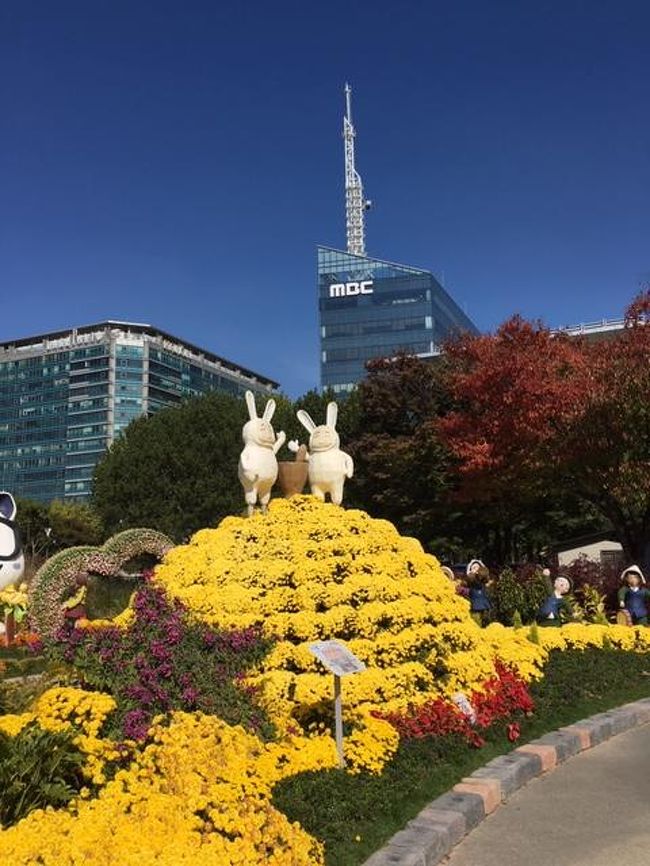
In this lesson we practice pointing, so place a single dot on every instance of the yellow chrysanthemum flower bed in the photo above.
(82, 713)
(199, 793)
(310, 571)
(200, 790)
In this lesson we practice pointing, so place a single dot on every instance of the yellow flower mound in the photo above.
(310, 571)
(81, 713)
(199, 794)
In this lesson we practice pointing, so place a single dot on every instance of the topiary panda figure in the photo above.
(12, 561)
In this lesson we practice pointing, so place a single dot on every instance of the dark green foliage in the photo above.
(19, 662)
(37, 769)
(537, 588)
(175, 471)
(402, 471)
(573, 678)
(33, 520)
(108, 596)
(508, 597)
(46, 529)
(336, 807)
(74, 524)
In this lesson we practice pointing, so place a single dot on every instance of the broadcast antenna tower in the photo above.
(355, 204)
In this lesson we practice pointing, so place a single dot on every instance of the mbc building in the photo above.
(65, 396)
(369, 308)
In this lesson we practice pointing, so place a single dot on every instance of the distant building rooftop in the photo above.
(42, 341)
(587, 329)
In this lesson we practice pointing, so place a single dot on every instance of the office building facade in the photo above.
(65, 397)
(369, 308)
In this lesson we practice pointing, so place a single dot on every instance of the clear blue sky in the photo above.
(177, 162)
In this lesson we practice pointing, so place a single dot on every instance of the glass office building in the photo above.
(65, 396)
(369, 308)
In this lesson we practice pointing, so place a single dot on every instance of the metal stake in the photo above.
(338, 720)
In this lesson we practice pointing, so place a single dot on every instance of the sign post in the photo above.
(338, 659)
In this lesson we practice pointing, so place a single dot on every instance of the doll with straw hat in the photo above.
(476, 577)
(633, 597)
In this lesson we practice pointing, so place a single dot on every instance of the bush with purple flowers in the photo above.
(166, 660)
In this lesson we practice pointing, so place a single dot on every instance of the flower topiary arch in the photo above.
(57, 577)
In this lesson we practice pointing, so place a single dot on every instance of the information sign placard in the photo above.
(337, 658)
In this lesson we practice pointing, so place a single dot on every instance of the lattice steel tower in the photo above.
(355, 203)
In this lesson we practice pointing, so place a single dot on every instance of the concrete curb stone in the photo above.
(433, 833)
(512, 770)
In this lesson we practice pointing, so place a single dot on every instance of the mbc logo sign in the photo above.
(347, 290)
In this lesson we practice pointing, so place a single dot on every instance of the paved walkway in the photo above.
(593, 810)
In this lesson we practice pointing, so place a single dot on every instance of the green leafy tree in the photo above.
(175, 471)
(34, 523)
(73, 524)
(44, 529)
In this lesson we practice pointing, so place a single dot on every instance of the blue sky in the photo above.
(177, 163)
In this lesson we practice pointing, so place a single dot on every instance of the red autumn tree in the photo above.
(537, 411)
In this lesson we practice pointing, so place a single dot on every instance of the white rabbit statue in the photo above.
(328, 465)
(12, 560)
(258, 466)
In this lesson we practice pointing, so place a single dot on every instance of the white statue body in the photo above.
(12, 559)
(258, 466)
(328, 465)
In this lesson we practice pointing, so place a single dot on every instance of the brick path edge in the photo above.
(440, 826)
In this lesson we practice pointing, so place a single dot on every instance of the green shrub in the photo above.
(536, 589)
(37, 769)
(508, 595)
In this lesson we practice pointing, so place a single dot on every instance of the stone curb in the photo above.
(431, 835)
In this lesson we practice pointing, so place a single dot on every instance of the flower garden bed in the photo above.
(356, 815)
(204, 722)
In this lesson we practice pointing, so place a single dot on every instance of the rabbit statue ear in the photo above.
(7, 505)
(269, 409)
(250, 402)
(305, 420)
(332, 414)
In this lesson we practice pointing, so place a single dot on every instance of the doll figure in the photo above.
(633, 596)
(556, 609)
(477, 576)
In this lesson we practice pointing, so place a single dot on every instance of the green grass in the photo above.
(337, 807)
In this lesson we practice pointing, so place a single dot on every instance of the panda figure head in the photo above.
(12, 561)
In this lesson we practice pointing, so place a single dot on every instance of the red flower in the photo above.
(513, 731)
(501, 697)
